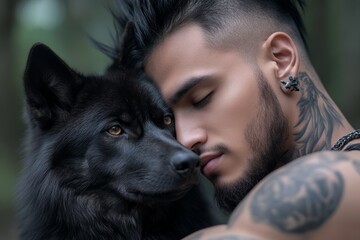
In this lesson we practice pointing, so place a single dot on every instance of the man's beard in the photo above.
(267, 137)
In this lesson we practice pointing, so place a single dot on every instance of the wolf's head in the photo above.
(110, 135)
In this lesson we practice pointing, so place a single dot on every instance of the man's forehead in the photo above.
(174, 45)
(184, 58)
(170, 60)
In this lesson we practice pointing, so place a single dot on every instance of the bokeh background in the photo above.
(64, 25)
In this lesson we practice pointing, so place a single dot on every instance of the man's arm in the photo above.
(221, 232)
(303, 200)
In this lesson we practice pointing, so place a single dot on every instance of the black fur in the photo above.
(81, 182)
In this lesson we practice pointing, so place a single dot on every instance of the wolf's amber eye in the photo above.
(167, 120)
(115, 130)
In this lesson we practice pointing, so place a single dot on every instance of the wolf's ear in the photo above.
(127, 48)
(50, 87)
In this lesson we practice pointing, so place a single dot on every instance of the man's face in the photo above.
(224, 110)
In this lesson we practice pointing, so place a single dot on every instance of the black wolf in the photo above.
(101, 160)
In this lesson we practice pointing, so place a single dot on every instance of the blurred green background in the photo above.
(333, 36)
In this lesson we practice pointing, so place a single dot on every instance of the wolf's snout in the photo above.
(185, 162)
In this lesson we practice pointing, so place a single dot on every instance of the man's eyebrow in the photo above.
(186, 87)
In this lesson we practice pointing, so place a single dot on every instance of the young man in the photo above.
(247, 99)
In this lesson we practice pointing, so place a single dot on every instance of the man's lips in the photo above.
(209, 161)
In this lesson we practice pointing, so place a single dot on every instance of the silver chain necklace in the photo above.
(345, 140)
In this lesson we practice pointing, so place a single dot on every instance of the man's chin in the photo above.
(228, 196)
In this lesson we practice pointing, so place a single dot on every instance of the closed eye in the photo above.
(203, 101)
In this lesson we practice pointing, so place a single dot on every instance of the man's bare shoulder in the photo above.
(313, 197)
(221, 232)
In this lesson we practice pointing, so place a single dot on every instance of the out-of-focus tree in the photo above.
(10, 123)
(349, 35)
(9, 98)
(334, 47)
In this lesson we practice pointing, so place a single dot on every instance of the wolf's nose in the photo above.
(185, 162)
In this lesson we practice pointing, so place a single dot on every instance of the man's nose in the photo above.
(189, 133)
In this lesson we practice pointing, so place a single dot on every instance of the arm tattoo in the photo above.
(341, 157)
(300, 197)
(316, 113)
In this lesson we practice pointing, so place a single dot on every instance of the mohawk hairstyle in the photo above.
(154, 19)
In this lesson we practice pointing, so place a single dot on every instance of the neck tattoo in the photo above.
(339, 145)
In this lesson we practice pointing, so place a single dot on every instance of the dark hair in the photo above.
(154, 19)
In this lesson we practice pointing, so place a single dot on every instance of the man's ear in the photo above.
(281, 49)
(50, 87)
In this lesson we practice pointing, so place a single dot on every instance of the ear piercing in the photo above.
(292, 84)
